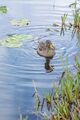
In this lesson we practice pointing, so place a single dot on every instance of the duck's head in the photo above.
(49, 44)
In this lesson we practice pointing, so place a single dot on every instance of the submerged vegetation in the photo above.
(63, 103)
(3, 9)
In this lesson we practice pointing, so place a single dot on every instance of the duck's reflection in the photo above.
(48, 67)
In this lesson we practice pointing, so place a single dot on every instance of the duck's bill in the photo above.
(51, 45)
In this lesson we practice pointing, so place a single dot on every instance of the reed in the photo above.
(76, 15)
(64, 102)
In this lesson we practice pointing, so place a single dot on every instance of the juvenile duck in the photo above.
(46, 49)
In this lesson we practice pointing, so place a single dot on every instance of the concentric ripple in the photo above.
(25, 63)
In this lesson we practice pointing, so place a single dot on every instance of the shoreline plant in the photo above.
(63, 103)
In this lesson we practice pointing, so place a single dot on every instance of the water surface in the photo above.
(20, 66)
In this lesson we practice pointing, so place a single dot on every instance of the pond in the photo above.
(20, 66)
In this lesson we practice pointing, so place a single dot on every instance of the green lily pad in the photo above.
(3, 9)
(48, 29)
(55, 25)
(15, 40)
(21, 22)
(56, 30)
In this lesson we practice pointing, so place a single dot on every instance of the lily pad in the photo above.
(3, 9)
(56, 30)
(55, 25)
(15, 40)
(48, 29)
(20, 22)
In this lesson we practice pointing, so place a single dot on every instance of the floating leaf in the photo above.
(19, 37)
(56, 25)
(21, 22)
(56, 30)
(5, 43)
(3, 9)
(48, 29)
(15, 40)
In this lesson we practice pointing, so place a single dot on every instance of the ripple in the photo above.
(29, 62)
(28, 65)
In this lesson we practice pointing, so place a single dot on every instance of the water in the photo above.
(20, 66)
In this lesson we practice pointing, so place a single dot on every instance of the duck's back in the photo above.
(42, 50)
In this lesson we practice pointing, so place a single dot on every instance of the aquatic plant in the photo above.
(76, 19)
(63, 103)
(76, 15)
(3, 9)
(36, 96)
(63, 24)
(20, 22)
(15, 40)
(63, 19)
(21, 117)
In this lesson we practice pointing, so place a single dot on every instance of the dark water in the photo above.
(20, 66)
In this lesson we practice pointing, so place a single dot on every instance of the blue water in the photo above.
(20, 66)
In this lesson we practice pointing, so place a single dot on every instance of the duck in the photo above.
(46, 49)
